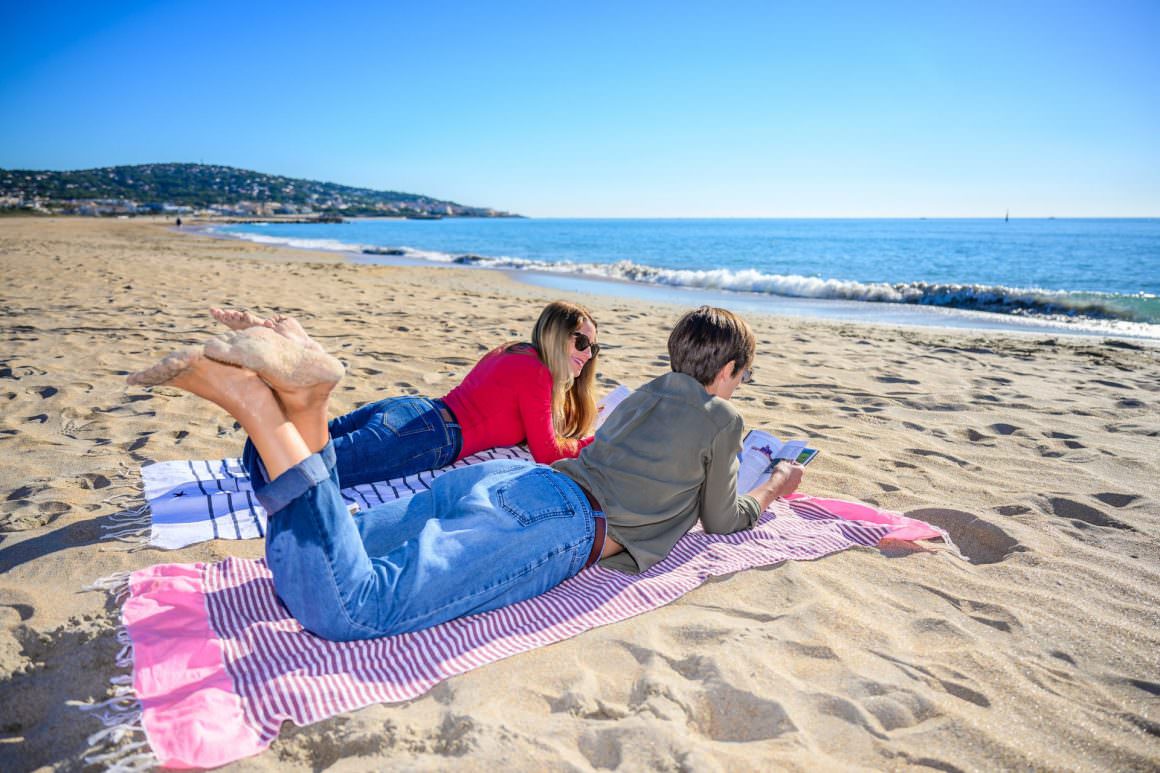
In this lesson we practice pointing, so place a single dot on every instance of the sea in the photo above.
(1094, 277)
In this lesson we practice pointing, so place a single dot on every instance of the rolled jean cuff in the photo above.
(296, 481)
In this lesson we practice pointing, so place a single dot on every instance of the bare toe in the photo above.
(283, 363)
(292, 329)
(170, 367)
(237, 320)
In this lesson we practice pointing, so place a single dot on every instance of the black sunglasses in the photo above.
(584, 343)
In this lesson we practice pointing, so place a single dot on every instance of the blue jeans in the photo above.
(389, 439)
(485, 536)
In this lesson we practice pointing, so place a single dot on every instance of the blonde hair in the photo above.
(573, 399)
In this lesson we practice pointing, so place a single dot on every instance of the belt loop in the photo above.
(445, 411)
(601, 525)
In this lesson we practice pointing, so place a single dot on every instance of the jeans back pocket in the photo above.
(534, 496)
(406, 416)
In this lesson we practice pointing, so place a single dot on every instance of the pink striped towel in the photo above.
(219, 664)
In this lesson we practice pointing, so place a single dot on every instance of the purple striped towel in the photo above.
(219, 664)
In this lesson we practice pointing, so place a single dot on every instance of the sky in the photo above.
(612, 109)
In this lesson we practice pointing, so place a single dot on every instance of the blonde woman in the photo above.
(541, 393)
(489, 534)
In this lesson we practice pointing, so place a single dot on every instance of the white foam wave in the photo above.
(304, 244)
(990, 298)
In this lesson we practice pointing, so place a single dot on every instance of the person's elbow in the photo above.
(725, 525)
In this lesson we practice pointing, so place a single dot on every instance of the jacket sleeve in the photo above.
(722, 510)
(535, 404)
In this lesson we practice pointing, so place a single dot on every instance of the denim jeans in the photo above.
(485, 536)
(391, 438)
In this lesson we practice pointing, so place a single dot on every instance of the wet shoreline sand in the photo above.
(1040, 454)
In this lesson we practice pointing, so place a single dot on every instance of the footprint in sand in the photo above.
(940, 455)
(897, 709)
(1116, 500)
(1152, 688)
(928, 676)
(1004, 429)
(984, 612)
(1079, 513)
(92, 480)
(978, 540)
(975, 436)
(141, 441)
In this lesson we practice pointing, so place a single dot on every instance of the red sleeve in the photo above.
(535, 401)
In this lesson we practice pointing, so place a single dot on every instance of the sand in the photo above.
(1041, 456)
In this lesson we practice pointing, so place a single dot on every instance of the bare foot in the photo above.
(284, 364)
(237, 320)
(230, 387)
(280, 323)
(170, 367)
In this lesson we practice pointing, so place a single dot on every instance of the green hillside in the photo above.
(203, 186)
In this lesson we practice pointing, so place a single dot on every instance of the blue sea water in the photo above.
(1080, 275)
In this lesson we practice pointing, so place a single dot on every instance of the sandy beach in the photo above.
(1039, 455)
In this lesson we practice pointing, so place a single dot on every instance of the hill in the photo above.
(168, 187)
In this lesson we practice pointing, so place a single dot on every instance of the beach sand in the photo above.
(1041, 456)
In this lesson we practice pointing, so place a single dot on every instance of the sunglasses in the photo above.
(747, 376)
(584, 343)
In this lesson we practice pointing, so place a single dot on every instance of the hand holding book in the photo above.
(760, 454)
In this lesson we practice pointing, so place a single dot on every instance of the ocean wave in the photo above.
(971, 297)
(1034, 302)
(286, 241)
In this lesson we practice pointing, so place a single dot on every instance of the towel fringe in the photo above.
(117, 585)
(950, 546)
(117, 499)
(130, 516)
(136, 535)
(121, 746)
(133, 526)
(125, 759)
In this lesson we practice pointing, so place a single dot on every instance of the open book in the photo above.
(760, 451)
(609, 402)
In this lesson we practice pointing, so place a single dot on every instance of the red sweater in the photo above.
(507, 399)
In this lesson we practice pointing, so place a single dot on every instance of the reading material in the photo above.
(760, 451)
(609, 402)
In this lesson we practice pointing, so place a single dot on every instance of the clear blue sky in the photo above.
(620, 109)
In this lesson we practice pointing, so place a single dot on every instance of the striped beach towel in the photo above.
(195, 501)
(187, 502)
(218, 664)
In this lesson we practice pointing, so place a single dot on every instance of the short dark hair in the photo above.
(705, 339)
